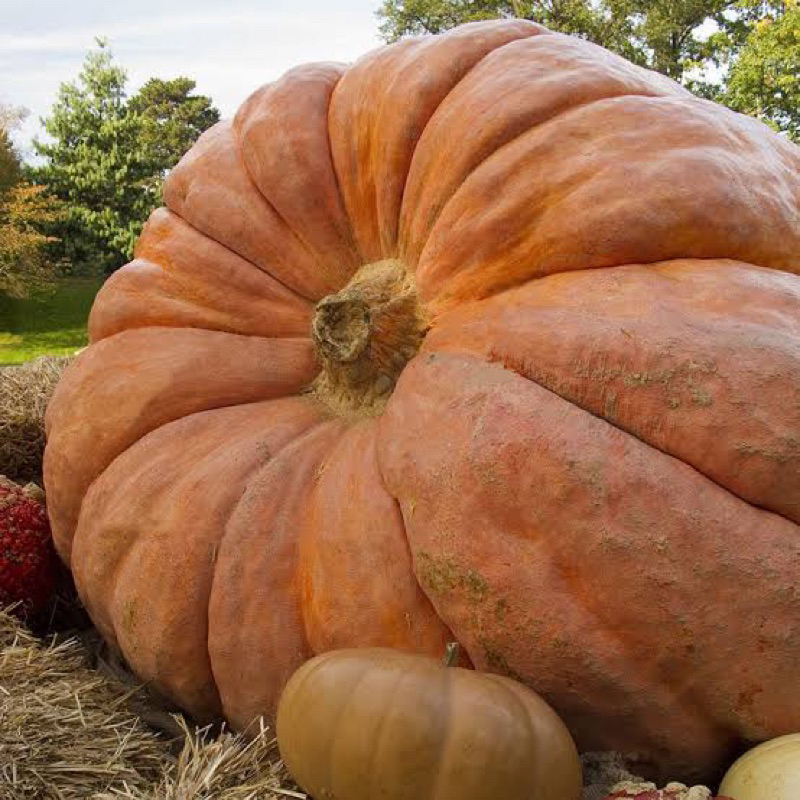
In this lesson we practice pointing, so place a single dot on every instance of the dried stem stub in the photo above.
(365, 334)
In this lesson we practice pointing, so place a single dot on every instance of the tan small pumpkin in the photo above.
(359, 724)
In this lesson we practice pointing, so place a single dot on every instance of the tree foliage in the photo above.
(10, 161)
(25, 266)
(765, 80)
(93, 165)
(172, 119)
(10, 167)
(699, 43)
(24, 263)
(106, 155)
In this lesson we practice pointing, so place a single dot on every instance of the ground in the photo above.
(51, 325)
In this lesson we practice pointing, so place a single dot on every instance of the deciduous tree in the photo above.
(25, 210)
(765, 79)
(24, 263)
(10, 162)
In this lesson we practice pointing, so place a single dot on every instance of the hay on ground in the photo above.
(69, 731)
(223, 767)
(64, 732)
(25, 391)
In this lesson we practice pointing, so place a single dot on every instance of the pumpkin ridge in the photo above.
(224, 528)
(372, 148)
(320, 660)
(462, 259)
(64, 526)
(303, 455)
(657, 366)
(685, 704)
(341, 712)
(136, 543)
(532, 34)
(555, 118)
(183, 183)
(514, 698)
(310, 248)
(622, 665)
(381, 733)
(303, 244)
(624, 655)
(495, 359)
(612, 86)
(348, 506)
(444, 741)
(184, 279)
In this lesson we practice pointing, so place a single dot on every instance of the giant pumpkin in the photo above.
(491, 336)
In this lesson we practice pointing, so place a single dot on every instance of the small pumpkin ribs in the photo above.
(372, 722)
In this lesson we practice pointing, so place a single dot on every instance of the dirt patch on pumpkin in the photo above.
(441, 575)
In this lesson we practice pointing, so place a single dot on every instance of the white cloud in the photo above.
(229, 53)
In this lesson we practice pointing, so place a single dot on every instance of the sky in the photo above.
(230, 48)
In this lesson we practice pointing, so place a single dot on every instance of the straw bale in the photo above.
(25, 391)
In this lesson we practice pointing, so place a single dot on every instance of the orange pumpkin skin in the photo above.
(587, 474)
(365, 723)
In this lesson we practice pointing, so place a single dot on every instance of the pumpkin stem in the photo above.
(365, 334)
(450, 654)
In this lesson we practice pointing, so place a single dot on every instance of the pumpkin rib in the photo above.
(510, 700)
(675, 693)
(513, 699)
(347, 506)
(197, 191)
(335, 723)
(524, 281)
(258, 549)
(375, 755)
(343, 699)
(259, 110)
(671, 693)
(571, 401)
(484, 242)
(532, 35)
(435, 218)
(172, 553)
(555, 117)
(311, 297)
(167, 389)
(463, 657)
(377, 114)
(445, 741)
(340, 777)
(179, 277)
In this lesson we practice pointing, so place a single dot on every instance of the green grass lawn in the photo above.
(52, 325)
